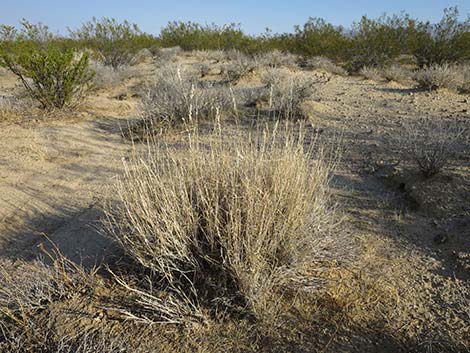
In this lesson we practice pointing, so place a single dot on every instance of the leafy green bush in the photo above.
(193, 36)
(54, 77)
(116, 42)
(447, 41)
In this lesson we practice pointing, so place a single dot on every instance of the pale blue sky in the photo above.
(254, 15)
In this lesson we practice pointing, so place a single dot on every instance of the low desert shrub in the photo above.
(397, 73)
(177, 98)
(432, 146)
(107, 77)
(223, 223)
(239, 66)
(371, 73)
(287, 93)
(325, 64)
(276, 58)
(437, 76)
(56, 78)
(463, 84)
(165, 55)
(210, 55)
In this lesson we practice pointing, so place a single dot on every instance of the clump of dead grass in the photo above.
(223, 223)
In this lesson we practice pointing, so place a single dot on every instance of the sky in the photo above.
(254, 16)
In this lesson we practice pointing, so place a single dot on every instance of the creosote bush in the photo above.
(54, 77)
(223, 223)
(116, 42)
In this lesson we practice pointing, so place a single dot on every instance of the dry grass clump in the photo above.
(371, 73)
(287, 93)
(177, 98)
(431, 146)
(437, 76)
(276, 58)
(222, 225)
(397, 73)
(325, 64)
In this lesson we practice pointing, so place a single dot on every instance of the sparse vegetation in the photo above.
(228, 223)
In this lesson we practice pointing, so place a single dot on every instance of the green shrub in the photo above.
(116, 42)
(447, 41)
(54, 77)
(193, 36)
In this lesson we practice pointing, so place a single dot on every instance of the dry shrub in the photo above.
(177, 98)
(10, 108)
(165, 55)
(431, 146)
(107, 77)
(30, 294)
(210, 55)
(371, 73)
(325, 64)
(463, 84)
(222, 225)
(437, 76)
(239, 66)
(397, 73)
(287, 93)
(143, 56)
(276, 58)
